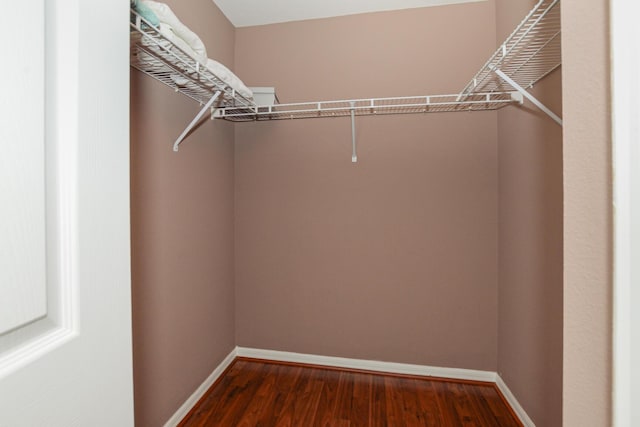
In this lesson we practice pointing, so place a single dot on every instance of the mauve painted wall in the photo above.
(182, 231)
(393, 258)
(530, 243)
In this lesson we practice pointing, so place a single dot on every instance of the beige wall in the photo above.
(182, 230)
(394, 258)
(587, 214)
(530, 243)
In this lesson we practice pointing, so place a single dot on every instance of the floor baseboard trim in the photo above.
(368, 365)
(513, 402)
(201, 390)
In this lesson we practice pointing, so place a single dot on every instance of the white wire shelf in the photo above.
(158, 57)
(372, 106)
(529, 54)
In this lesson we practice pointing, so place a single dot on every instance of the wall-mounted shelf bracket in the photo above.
(527, 95)
(195, 120)
(517, 97)
(354, 155)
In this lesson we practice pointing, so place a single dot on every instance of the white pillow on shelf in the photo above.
(170, 34)
(166, 16)
(228, 77)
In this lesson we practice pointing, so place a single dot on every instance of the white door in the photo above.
(65, 321)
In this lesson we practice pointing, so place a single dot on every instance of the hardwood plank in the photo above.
(218, 400)
(344, 398)
(447, 405)
(464, 409)
(393, 395)
(496, 403)
(361, 400)
(428, 403)
(286, 412)
(480, 404)
(327, 399)
(241, 393)
(276, 412)
(379, 403)
(306, 406)
(261, 401)
(258, 393)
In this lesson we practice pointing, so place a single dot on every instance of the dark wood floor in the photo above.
(255, 393)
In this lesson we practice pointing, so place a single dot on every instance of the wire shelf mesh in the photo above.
(372, 106)
(529, 54)
(155, 55)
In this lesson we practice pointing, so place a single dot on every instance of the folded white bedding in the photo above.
(229, 78)
(177, 29)
(168, 32)
(186, 40)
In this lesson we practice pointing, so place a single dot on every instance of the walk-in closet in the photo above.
(397, 204)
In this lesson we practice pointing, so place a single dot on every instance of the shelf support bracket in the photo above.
(354, 155)
(527, 95)
(195, 120)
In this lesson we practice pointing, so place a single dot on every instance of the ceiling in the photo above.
(244, 13)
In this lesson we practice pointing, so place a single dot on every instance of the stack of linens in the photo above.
(165, 21)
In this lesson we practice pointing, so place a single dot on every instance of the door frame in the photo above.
(625, 107)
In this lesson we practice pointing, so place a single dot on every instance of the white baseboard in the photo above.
(513, 402)
(369, 365)
(346, 363)
(195, 397)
